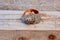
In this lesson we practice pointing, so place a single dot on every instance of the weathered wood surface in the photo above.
(30, 35)
(46, 5)
(9, 20)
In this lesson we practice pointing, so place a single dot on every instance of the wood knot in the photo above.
(22, 38)
(52, 37)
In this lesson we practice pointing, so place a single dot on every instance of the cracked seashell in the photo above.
(31, 16)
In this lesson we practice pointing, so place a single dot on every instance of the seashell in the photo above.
(31, 19)
(31, 16)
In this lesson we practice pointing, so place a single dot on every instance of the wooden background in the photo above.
(46, 5)
(10, 20)
(30, 35)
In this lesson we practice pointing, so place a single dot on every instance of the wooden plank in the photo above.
(30, 35)
(9, 20)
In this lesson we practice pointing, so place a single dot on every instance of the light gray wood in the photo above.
(47, 5)
(9, 20)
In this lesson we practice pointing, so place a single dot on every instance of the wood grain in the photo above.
(10, 20)
(30, 35)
